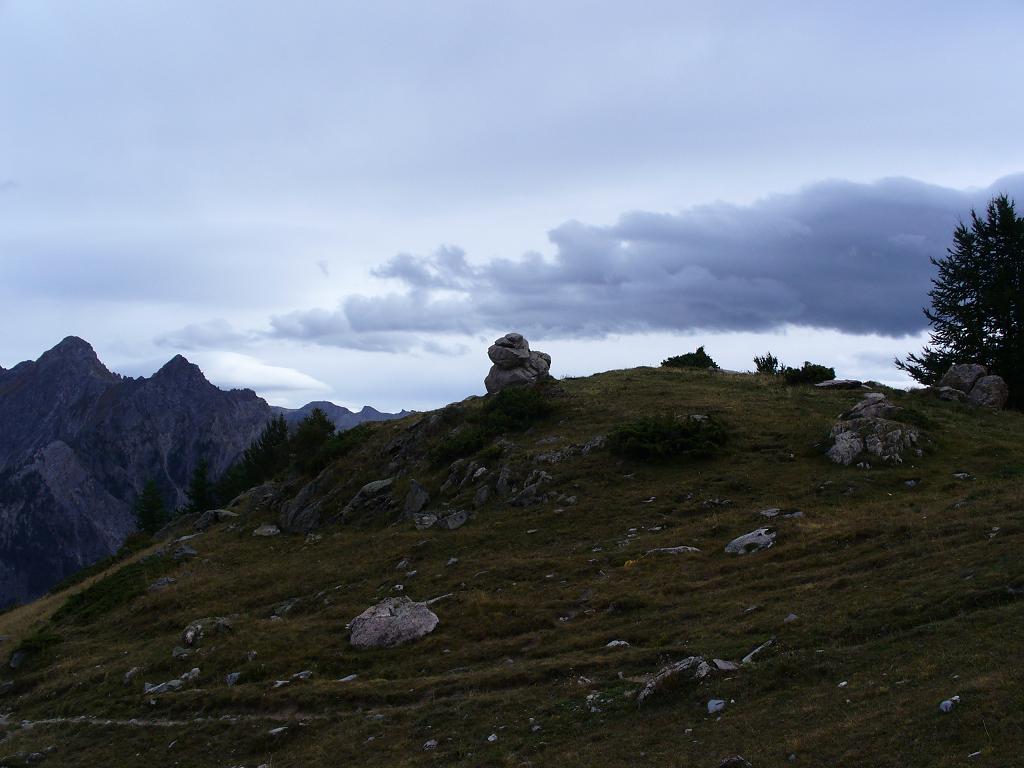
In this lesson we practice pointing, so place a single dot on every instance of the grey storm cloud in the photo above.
(836, 255)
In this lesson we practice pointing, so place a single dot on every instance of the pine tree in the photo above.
(977, 301)
(200, 489)
(150, 513)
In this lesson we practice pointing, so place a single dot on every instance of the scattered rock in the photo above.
(452, 520)
(755, 541)
(963, 376)
(617, 644)
(532, 492)
(691, 669)
(989, 391)
(348, 678)
(873, 405)
(514, 364)
(130, 674)
(180, 653)
(762, 647)
(424, 521)
(268, 529)
(840, 384)
(948, 704)
(680, 550)
(735, 761)
(483, 493)
(200, 628)
(170, 685)
(790, 618)
(725, 666)
(162, 583)
(593, 444)
(371, 499)
(504, 484)
(205, 520)
(392, 622)
(715, 706)
(232, 678)
(415, 500)
(430, 744)
(492, 738)
(280, 731)
(184, 552)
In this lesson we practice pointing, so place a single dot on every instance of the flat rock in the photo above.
(680, 550)
(755, 541)
(692, 669)
(267, 530)
(392, 622)
(840, 384)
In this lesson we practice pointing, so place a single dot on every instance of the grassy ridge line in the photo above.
(897, 590)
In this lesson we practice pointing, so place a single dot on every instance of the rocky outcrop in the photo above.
(755, 541)
(514, 364)
(840, 384)
(963, 376)
(868, 428)
(391, 622)
(972, 383)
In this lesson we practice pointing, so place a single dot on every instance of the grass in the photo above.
(900, 592)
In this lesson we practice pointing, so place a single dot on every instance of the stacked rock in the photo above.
(515, 364)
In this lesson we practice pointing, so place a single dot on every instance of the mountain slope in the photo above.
(897, 588)
(78, 442)
(341, 416)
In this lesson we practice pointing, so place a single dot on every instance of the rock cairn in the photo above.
(515, 364)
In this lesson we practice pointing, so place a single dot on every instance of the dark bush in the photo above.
(665, 436)
(698, 359)
(810, 373)
(768, 364)
(511, 410)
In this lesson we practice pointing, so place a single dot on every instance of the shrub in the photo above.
(698, 359)
(810, 373)
(665, 436)
(768, 364)
(110, 592)
(511, 410)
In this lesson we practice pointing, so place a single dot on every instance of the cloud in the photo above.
(835, 255)
(235, 370)
(210, 334)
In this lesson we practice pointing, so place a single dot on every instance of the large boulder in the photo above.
(514, 364)
(963, 376)
(391, 622)
(370, 501)
(990, 391)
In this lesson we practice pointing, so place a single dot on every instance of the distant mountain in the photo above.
(77, 443)
(342, 417)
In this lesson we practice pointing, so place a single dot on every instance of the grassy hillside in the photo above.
(905, 594)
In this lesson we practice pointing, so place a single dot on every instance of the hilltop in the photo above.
(887, 591)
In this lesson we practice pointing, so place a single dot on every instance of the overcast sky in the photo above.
(352, 200)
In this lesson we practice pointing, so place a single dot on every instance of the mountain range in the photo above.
(78, 442)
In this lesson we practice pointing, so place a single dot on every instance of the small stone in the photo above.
(492, 738)
(303, 675)
(617, 644)
(278, 731)
(725, 666)
(715, 705)
(755, 541)
(267, 530)
(430, 744)
(452, 561)
(184, 552)
(946, 706)
(232, 678)
(790, 618)
(348, 678)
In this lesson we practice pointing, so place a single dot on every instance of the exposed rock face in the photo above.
(370, 500)
(78, 442)
(514, 364)
(391, 622)
(868, 428)
(990, 391)
(963, 376)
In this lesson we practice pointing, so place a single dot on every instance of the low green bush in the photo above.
(665, 436)
(809, 373)
(511, 410)
(110, 592)
(697, 359)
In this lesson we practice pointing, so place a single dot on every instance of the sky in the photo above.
(351, 201)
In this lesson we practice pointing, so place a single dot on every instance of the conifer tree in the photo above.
(150, 513)
(977, 301)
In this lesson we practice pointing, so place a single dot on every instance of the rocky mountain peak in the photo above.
(180, 372)
(73, 353)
